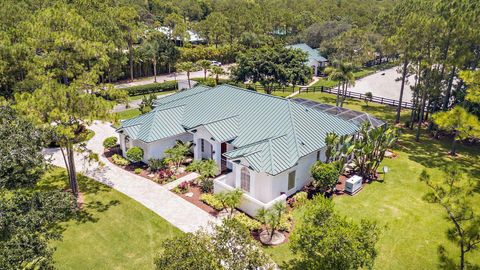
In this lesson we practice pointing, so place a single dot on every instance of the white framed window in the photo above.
(245, 179)
(318, 155)
(291, 180)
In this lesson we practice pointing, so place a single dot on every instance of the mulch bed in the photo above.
(256, 235)
(108, 153)
(195, 199)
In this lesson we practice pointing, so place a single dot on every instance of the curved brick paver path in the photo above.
(182, 214)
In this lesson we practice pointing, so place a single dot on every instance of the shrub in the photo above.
(298, 199)
(110, 142)
(138, 171)
(135, 154)
(211, 81)
(285, 223)
(119, 160)
(325, 175)
(206, 185)
(183, 187)
(155, 164)
(248, 222)
(211, 200)
(151, 88)
(166, 175)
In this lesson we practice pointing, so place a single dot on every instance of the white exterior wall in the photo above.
(268, 187)
(154, 149)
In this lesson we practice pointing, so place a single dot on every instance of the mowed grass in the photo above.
(128, 114)
(413, 229)
(111, 232)
(131, 98)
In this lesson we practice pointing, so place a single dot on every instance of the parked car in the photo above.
(215, 63)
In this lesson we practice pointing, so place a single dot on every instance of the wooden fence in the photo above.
(375, 99)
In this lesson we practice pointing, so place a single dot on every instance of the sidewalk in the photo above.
(180, 213)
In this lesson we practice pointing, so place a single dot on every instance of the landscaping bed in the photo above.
(163, 176)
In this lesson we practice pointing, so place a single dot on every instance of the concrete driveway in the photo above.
(386, 83)
(180, 213)
(179, 76)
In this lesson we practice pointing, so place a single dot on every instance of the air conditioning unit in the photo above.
(353, 184)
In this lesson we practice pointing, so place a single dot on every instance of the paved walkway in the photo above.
(189, 178)
(315, 79)
(182, 214)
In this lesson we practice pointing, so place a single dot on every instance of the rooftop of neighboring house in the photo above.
(313, 54)
(270, 133)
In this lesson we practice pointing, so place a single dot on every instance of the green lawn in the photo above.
(112, 232)
(128, 114)
(131, 98)
(414, 229)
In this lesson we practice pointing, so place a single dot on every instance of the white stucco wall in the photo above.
(154, 149)
(268, 187)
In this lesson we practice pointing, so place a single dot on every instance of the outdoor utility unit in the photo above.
(353, 184)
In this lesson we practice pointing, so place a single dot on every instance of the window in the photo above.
(202, 143)
(127, 143)
(318, 155)
(245, 179)
(291, 180)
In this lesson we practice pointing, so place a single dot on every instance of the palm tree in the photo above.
(343, 73)
(187, 67)
(217, 71)
(205, 65)
(151, 50)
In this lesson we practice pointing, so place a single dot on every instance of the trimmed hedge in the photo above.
(151, 88)
(211, 81)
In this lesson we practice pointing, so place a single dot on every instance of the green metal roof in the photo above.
(313, 55)
(269, 132)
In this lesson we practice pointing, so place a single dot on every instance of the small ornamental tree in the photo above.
(459, 122)
(368, 97)
(146, 105)
(110, 142)
(135, 154)
(207, 169)
(230, 200)
(177, 154)
(272, 217)
(325, 175)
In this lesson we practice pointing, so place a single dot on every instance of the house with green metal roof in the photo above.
(263, 144)
(315, 59)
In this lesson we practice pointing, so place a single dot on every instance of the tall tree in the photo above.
(325, 240)
(65, 111)
(214, 28)
(272, 66)
(128, 20)
(205, 65)
(343, 73)
(187, 67)
(228, 246)
(217, 71)
(152, 49)
(454, 194)
(21, 159)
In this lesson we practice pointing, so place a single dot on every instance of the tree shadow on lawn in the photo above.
(56, 178)
(433, 154)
